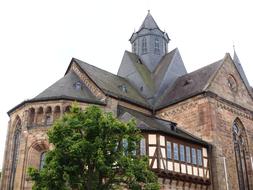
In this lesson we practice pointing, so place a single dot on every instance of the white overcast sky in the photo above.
(39, 38)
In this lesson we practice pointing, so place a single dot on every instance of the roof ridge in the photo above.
(97, 68)
(174, 51)
(199, 69)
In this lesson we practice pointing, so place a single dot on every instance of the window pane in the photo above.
(188, 154)
(175, 146)
(42, 160)
(125, 146)
(169, 150)
(182, 156)
(143, 147)
(194, 161)
(199, 154)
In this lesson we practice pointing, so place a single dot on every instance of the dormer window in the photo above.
(157, 48)
(123, 88)
(78, 85)
(144, 45)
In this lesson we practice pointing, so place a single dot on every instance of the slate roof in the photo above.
(112, 84)
(66, 88)
(189, 85)
(154, 124)
(241, 73)
(149, 23)
(143, 70)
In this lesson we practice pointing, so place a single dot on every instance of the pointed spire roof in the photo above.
(149, 22)
(241, 71)
(236, 58)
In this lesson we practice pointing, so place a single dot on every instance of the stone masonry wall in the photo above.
(212, 120)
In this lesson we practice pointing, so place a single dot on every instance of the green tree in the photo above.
(93, 150)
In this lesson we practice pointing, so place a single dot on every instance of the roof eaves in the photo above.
(56, 98)
(174, 101)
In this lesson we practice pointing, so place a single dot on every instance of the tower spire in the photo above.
(150, 43)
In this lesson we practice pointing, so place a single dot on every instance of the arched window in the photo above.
(67, 109)
(40, 113)
(31, 116)
(15, 152)
(240, 147)
(144, 45)
(57, 112)
(48, 118)
(157, 48)
(42, 159)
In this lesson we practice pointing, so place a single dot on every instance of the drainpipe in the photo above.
(225, 169)
(251, 159)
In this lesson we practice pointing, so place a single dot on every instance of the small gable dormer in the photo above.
(150, 43)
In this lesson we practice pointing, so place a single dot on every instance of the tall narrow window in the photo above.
(169, 150)
(194, 160)
(125, 146)
(199, 157)
(134, 47)
(182, 156)
(175, 147)
(15, 152)
(144, 45)
(157, 48)
(143, 147)
(42, 159)
(188, 154)
(240, 147)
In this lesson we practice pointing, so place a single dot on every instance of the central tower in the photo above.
(150, 43)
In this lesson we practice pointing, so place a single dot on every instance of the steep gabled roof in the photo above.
(169, 69)
(142, 70)
(162, 67)
(66, 88)
(189, 85)
(112, 85)
(154, 124)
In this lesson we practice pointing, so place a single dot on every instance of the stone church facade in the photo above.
(197, 127)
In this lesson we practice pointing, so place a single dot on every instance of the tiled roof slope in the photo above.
(112, 84)
(65, 88)
(150, 123)
(189, 85)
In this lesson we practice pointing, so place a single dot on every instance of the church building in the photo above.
(197, 127)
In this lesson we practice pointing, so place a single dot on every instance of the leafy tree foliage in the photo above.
(93, 150)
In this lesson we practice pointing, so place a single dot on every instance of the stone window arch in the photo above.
(144, 45)
(57, 112)
(48, 116)
(40, 113)
(67, 109)
(241, 152)
(36, 153)
(15, 151)
(31, 117)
